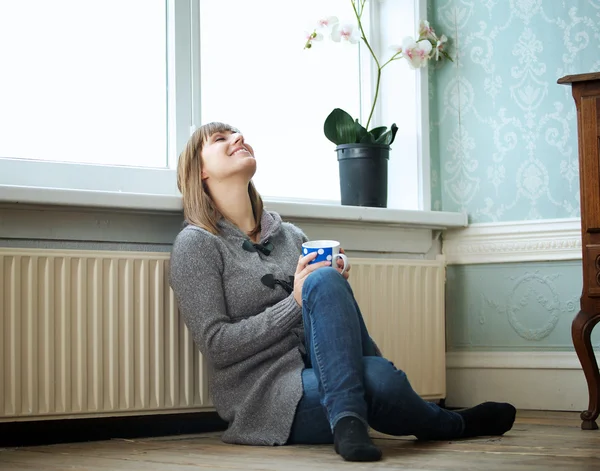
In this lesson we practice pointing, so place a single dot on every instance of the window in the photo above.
(256, 75)
(87, 81)
(103, 94)
(97, 94)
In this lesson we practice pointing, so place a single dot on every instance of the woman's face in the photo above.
(226, 155)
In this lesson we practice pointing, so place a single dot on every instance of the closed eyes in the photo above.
(219, 136)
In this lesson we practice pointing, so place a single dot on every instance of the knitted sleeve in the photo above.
(196, 279)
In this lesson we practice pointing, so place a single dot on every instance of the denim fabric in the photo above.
(345, 377)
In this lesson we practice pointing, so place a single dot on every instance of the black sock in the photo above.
(489, 418)
(352, 441)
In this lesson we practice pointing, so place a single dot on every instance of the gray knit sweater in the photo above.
(251, 335)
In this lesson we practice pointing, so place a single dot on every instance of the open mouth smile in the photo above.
(240, 149)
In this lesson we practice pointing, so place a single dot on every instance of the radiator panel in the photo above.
(93, 333)
(402, 302)
(97, 333)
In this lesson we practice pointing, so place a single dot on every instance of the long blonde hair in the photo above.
(198, 206)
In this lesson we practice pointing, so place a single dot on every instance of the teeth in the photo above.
(239, 151)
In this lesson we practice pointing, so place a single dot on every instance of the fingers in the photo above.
(340, 264)
(310, 268)
(304, 260)
(345, 274)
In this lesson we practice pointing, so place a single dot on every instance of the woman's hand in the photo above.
(302, 271)
(340, 266)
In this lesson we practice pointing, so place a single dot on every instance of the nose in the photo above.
(238, 137)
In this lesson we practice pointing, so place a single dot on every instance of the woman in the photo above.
(290, 356)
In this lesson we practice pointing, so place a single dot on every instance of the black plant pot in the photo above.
(363, 174)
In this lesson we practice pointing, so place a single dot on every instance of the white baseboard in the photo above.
(528, 380)
(518, 241)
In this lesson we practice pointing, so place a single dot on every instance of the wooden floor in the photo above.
(538, 441)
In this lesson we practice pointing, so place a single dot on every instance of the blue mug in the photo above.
(327, 250)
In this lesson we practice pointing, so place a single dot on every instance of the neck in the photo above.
(234, 203)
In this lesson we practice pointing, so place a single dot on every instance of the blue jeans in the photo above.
(344, 376)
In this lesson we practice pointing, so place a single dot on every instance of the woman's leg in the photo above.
(396, 409)
(310, 426)
(393, 408)
(352, 382)
(336, 342)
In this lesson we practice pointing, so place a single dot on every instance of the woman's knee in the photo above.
(326, 278)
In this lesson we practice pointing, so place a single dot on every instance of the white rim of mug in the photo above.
(321, 244)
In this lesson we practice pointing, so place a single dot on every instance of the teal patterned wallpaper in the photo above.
(504, 134)
(513, 306)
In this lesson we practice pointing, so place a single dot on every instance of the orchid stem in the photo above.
(375, 99)
(393, 58)
(364, 38)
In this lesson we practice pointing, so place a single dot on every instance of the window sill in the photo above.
(439, 220)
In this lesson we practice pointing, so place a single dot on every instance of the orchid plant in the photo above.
(339, 126)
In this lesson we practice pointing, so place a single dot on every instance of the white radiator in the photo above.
(97, 333)
(403, 303)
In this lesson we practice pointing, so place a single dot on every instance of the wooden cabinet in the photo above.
(586, 92)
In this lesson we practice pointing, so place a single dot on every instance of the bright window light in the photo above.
(255, 75)
(84, 81)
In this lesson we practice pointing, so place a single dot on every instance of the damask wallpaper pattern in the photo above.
(504, 134)
(513, 306)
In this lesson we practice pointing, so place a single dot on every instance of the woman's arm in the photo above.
(196, 279)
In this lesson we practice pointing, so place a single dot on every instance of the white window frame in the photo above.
(375, 14)
(424, 145)
(183, 116)
(183, 44)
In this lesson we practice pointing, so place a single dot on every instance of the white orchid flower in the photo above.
(416, 52)
(345, 32)
(440, 46)
(425, 30)
(327, 23)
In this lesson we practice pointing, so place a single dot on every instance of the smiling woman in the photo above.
(291, 359)
(227, 160)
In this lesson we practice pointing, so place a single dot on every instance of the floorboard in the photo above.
(538, 441)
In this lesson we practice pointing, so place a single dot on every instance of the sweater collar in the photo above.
(270, 223)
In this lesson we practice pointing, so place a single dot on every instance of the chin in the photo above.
(249, 169)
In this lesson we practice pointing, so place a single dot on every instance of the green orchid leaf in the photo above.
(361, 132)
(394, 131)
(388, 137)
(385, 138)
(377, 132)
(340, 128)
(368, 138)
